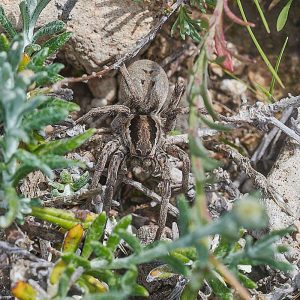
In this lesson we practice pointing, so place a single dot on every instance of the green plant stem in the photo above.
(260, 50)
(262, 16)
(272, 85)
(162, 249)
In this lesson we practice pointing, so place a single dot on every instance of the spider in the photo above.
(146, 114)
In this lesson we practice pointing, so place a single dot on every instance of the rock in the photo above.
(285, 179)
(98, 102)
(104, 90)
(50, 13)
(233, 87)
(102, 29)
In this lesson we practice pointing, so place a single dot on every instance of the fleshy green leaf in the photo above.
(43, 117)
(55, 43)
(56, 102)
(246, 281)
(15, 52)
(81, 182)
(24, 291)
(32, 161)
(39, 8)
(25, 16)
(101, 251)
(219, 287)
(51, 28)
(183, 220)
(72, 239)
(60, 147)
(6, 24)
(94, 233)
(4, 43)
(131, 240)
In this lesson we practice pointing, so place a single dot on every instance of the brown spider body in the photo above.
(143, 119)
(143, 134)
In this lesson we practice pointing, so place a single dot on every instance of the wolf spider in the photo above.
(145, 115)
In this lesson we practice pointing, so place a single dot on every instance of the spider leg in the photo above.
(165, 187)
(98, 111)
(171, 110)
(107, 150)
(175, 151)
(112, 176)
(130, 84)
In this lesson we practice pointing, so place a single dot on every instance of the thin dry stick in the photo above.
(268, 138)
(140, 44)
(73, 199)
(260, 115)
(9, 249)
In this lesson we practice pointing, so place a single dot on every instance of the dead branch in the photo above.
(13, 250)
(269, 138)
(259, 180)
(140, 44)
(262, 115)
(73, 200)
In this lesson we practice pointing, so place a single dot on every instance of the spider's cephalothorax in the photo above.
(145, 115)
(142, 135)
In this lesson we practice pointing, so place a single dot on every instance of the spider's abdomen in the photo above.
(143, 135)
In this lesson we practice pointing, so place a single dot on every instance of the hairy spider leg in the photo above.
(112, 176)
(177, 152)
(165, 187)
(171, 110)
(106, 152)
(165, 197)
(98, 111)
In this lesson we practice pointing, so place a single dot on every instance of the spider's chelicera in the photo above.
(143, 118)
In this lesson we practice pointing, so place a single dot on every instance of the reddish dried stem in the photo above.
(234, 18)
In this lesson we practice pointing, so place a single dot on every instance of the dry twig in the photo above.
(140, 44)
(259, 180)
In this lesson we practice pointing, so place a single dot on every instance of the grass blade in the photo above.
(272, 85)
(260, 50)
(262, 16)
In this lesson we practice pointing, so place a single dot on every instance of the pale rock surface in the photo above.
(104, 90)
(102, 29)
(285, 178)
(233, 87)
